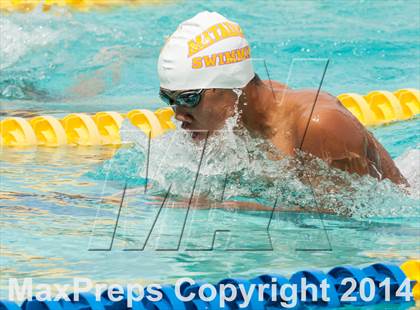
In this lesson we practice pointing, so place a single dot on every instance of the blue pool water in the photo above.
(56, 204)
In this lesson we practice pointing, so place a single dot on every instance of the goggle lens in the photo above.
(190, 98)
(165, 98)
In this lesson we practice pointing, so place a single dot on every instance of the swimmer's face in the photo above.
(211, 113)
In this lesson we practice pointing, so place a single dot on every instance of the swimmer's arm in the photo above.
(337, 137)
(131, 192)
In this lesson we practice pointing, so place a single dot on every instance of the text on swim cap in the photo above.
(212, 35)
(224, 58)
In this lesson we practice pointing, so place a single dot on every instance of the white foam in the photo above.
(232, 152)
(409, 165)
(16, 41)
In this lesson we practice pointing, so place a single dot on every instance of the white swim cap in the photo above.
(206, 51)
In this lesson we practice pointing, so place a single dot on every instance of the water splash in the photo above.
(16, 41)
(409, 164)
(239, 167)
(41, 57)
(28, 47)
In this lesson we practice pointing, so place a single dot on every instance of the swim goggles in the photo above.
(187, 98)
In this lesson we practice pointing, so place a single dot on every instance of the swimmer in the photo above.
(206, 63)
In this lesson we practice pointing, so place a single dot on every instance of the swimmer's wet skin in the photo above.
(206, 63)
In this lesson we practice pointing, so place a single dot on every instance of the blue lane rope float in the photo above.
(375, 273)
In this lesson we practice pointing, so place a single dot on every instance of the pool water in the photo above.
(57, 205)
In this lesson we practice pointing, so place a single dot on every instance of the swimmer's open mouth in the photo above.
(196, 134)
(199, 134)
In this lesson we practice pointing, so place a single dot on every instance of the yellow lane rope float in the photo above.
(79, 5)
(411, 269)
(103, 128)
(380, 106)
(375, 108)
